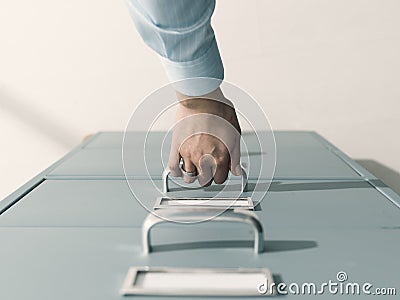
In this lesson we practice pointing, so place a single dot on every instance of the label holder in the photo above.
(160, 281)
(203, 202)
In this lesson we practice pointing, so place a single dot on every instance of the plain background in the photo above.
(70, 68)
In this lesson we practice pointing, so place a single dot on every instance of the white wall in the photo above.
(69, 68)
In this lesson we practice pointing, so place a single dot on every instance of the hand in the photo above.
(207, 138)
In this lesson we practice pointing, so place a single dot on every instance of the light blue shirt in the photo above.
(180, 32)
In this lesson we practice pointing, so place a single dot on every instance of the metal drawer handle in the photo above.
(231, 215)
(167, 172)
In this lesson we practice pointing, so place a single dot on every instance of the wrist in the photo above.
(210, 101)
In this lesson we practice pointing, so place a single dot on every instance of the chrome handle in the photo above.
(167, 172)
(234, 215)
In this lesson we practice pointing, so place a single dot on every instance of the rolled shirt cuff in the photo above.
(196, 77)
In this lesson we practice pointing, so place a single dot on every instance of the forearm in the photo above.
(180, 32)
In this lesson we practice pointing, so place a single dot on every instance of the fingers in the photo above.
(207, 168)
(235, 166)
(212, 166)
(189, 167)
(173, 162)
(222, 171)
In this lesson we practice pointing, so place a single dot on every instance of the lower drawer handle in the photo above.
(233, 215)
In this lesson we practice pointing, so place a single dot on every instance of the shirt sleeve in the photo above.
(180, 32)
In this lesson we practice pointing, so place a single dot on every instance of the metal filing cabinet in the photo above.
(74, 234)
(91, 263)
(300, 155)
(289, 204)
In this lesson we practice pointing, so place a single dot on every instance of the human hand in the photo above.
(206, 137)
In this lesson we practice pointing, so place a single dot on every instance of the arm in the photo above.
(207, 132)
(180, 32)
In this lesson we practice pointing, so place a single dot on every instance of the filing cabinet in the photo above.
(75, 230)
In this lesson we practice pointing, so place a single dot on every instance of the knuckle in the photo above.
(184, 152)
(196, 156)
